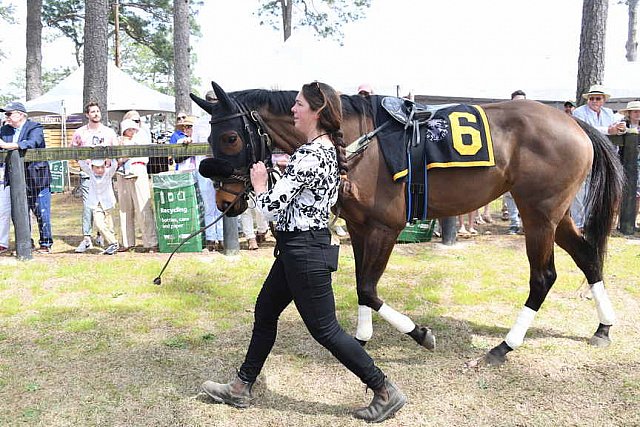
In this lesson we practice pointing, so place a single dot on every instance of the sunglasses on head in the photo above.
(136, 120)
(181, 117)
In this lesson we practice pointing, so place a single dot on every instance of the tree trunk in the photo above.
(632, 39)
(34, 49)
(592, 43)
(181, 55)
(96, 54)
(287, 13)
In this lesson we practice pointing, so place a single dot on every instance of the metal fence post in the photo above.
(230, 232)
(448, 230)
(19, 206)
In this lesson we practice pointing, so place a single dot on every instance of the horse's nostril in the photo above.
(224, 206)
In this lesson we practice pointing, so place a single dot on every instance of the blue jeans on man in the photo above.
(39, 202)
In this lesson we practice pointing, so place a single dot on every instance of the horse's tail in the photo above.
(604, 190)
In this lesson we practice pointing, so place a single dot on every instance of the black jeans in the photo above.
(302, 273)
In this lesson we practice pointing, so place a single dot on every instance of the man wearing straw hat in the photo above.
(596, 114)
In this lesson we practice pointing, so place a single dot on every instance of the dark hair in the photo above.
(569, 104)
(323, 99)
(89, 105)
(518, 92)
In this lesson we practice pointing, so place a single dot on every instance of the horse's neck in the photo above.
(283, 134)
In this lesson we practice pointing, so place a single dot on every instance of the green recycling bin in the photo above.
(175, 199)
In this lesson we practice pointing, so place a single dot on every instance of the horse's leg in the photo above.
(539, 239)
(585, 257)
(372, 247)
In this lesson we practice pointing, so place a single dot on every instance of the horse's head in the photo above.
(238, 139)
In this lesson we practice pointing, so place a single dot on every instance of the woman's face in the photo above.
(634, 116)
(304, 118)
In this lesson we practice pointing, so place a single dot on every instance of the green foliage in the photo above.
(326, 17)
(145, 29)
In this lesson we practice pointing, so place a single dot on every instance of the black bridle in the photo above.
(259, 146)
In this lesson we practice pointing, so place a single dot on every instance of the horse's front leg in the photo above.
(372, 248)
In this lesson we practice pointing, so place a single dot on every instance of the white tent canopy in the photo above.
(124, 93)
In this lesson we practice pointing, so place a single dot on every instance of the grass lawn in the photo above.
(88, 340)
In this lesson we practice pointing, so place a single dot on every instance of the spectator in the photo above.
(632, 121)
(518, 94)
(134, 195)
(143, 136)
(93, 134)
(5, 212)
(463, 230)
(365, 90)
(214, 234)
(604, 120)
(178, 133)
(20, 132)
(185, 129)
(253, 225)
(596, 114)
(569, 106)
(101, 198)
(513, 215)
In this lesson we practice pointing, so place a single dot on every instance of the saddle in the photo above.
(410, 113)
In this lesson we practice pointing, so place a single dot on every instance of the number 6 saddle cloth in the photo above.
(455, 135)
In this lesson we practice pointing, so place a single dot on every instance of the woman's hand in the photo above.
(259, 177)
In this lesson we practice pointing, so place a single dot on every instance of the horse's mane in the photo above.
(280, 101)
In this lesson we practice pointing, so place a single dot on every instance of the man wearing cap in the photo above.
(94, 133)
(569, 106)
(21, 133)
(365, 90)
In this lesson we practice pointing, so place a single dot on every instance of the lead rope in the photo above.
(158, 280)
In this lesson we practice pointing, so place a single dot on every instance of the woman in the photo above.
(632, 121)
(300, 204)
(134, 195)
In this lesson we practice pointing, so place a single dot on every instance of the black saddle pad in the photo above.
(455, 136)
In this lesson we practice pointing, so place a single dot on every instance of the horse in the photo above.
(542, 156)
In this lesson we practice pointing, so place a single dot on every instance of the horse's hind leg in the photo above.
(586, 259)
(539, 241)
(372, 248)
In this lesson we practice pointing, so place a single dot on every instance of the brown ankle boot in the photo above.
(387, 400)
(237, 393)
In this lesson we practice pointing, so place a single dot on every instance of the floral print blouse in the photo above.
(301, 199)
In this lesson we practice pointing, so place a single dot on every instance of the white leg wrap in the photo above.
(364, 330)
(397, 320)
(515, 337)
(603, 303)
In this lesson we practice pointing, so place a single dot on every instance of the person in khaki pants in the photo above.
(134, 196)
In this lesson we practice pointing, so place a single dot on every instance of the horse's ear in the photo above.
(205, 105)
(222, 96)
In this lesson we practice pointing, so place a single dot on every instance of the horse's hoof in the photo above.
(494, 359)
(601, 342)
(429, 340)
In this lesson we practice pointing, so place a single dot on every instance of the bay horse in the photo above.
(542, 156)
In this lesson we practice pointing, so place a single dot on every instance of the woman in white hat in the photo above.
(134, 196)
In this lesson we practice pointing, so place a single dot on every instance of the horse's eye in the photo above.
(232, 139)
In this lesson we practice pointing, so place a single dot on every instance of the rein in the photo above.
(158, 280)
